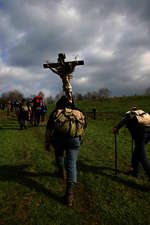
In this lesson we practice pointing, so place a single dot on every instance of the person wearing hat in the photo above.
(138, 124)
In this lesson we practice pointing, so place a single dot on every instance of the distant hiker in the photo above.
(138, 123)
(30, 111)
(37, 103)
(43, 112)
(64, 131)
(3, 106)
(8, 107)
(17, 110)
(23, 114)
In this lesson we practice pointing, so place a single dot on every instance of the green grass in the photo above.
(31, 194)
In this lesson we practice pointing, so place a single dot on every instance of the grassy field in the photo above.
(31, 194)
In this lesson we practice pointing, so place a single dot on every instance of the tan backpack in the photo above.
(142, 117)
(69, 121)
(24, 108)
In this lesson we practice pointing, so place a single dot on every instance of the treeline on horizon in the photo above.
(102, 93)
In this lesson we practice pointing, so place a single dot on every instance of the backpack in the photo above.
(69, 122)
(142, 117)
(24, 108)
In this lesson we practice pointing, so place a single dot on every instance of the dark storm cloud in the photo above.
(111, 36)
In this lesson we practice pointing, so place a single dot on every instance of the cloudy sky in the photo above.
(111, 36)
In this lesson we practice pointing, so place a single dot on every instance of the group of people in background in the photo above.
(28, 111)
(33, 111)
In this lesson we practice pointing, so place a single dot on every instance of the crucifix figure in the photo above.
(64, 70)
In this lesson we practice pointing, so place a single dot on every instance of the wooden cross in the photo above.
(64, 70)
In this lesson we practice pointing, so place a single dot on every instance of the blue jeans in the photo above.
(139, 154)
(71, 145)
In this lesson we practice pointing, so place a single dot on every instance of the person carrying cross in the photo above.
(64, 132)
(65, 126)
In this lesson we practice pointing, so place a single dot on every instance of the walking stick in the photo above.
(132, 146)
(115, 154)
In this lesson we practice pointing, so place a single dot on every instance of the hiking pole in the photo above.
(115, 154)
(132, 146)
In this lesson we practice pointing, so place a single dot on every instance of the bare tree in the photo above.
(100, 94)
(147, 91)
(78, 96)
(104, 93)
(49, 100)
(14, 95)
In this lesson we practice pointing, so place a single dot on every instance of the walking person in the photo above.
(64, 131)
(8, 107)
(23, 114)
(37, 104)
(138, 123)
(43, 112)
